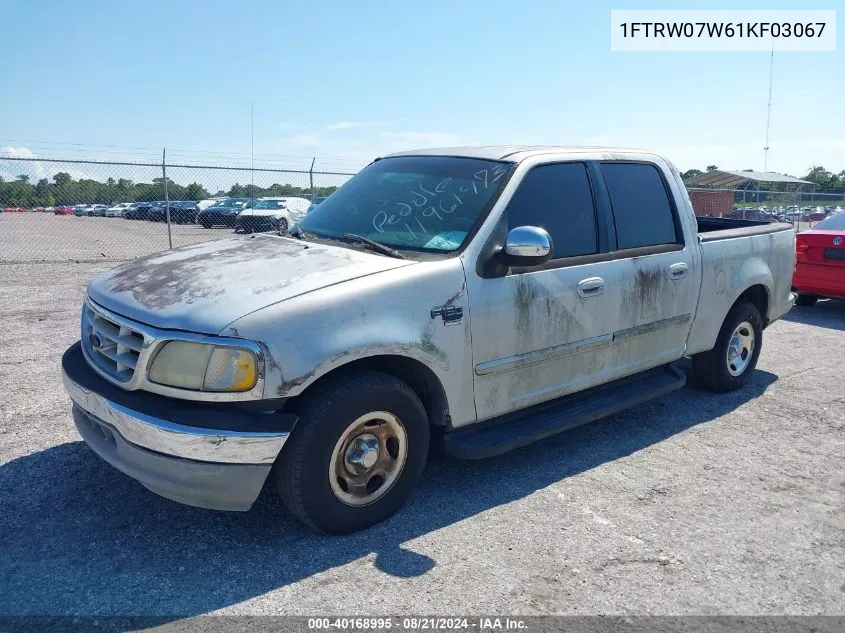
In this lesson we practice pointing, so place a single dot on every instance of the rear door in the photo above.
(656, 265)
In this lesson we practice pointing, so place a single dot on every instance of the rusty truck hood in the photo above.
(204, 287)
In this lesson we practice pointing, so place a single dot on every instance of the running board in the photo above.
(503, 434)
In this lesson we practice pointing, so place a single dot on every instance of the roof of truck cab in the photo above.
(514, 153)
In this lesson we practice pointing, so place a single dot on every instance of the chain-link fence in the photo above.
(802, 209)
(57, 210)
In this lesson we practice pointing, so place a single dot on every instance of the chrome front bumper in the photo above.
(199, 466)
(177, 440)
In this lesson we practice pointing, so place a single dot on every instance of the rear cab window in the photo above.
(643, 212)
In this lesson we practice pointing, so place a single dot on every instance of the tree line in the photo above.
(825, 181)
(62, 189)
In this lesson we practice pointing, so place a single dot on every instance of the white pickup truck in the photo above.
(492, 296)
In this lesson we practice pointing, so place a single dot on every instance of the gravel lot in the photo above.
(692, 504)
(44, 237)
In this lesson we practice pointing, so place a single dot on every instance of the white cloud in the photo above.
(348, 125)
(36, 169)
(342, 125)
(306, 140)
(422, 139)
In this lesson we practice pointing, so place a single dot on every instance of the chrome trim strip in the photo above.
(576, 347)
(648, 328)
(543, 355)
(154, 339)
(177, 440)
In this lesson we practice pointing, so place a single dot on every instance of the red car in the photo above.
(63, 210)
(820, 261)
(14, 210)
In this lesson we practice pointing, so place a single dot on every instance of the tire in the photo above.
(282, 226)
(206, 225)
(715, 370)
(306, 470)
(806, 301)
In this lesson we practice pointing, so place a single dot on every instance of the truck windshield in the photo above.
(418, 203)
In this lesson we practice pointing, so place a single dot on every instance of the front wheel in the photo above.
(356, 453)
(729, 365)
(282, 225)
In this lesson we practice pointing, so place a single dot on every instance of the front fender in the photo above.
(388, 313)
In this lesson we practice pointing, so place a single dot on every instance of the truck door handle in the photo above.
(678, 271)
(591, 287)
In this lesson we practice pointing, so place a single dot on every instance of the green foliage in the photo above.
(196, 191)
(65, 190)
(826, 181)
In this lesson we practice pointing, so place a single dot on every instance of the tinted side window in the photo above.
(641, 209)
(559, 199)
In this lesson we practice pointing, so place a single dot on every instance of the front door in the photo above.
(541, 333)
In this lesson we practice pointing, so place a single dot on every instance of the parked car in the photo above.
(750, 213)
(271, 214)
(80, 210)
(439, 290)
(204, 204)
(117, 210)
(38, 209)
(820, 261)
(181, 212)
(14, 209)
(224, 212)
(141, 210)
(63, 210)
(97, 210)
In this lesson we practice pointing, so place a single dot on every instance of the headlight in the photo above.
(204, 367)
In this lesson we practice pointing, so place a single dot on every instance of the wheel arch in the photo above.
(759, 296)
(420, 378)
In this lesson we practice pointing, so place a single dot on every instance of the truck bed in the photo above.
(735, 255)
(710, 229)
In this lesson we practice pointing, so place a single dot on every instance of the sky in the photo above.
(344, 82)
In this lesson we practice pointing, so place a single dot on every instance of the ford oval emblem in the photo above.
(95, 340)
(837, 241)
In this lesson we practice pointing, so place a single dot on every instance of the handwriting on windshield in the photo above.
(426, 209)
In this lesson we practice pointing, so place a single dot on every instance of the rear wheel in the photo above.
(729, 365)
(356, 453)
(806, 301)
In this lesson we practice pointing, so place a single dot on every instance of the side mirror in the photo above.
(528, 246)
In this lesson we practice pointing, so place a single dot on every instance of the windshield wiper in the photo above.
(381, 248)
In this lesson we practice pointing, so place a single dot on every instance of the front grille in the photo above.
(113, 347)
